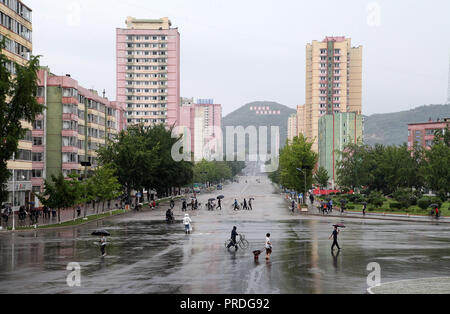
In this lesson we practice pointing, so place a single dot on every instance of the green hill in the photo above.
(392, 128)
(245, 117)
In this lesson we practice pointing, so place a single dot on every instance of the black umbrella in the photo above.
(339, 226)
(343, 201)
(434, 205)
(364, 203)
(211, 199)
(220, 197)
(183, 199)
(101, 232)
(251, 198)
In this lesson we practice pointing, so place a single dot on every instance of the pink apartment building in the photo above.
(76, 122)
(423, 133)
(202, 119)
(148, 71)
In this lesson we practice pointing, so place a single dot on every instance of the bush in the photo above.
(396, 205)
(405, 197)
(350, 206)
(436, 200)
(376, 198)
(424, 202)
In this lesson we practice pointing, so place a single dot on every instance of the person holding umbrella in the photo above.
(364, 208)
(334, 234)
(250, 203)
(103, 234)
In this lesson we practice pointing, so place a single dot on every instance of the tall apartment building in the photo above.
(292, 127)
(75, 123)
(203, 120)
(148, 71)
(16, 28)
(333, 81)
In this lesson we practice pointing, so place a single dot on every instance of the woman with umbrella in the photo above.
(334, 234)
(103, 234)
(435, 210)
(219, 201)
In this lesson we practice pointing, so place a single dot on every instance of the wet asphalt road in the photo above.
(145, 255)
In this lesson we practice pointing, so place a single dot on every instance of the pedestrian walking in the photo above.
(219, 204)
(187, 224)
(184, 206)
(364, 209)
(311, 198)
(103, 245)
(233, 241)
(268, 247)
(293, 205)
(245, 204)
(334, 234)
(236, 205)
(250, 204)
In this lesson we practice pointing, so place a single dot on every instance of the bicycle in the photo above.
(243, 243)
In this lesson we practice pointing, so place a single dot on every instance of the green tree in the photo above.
(436, 169)
(105, 185)
(59, 193)
(297, 155)
(17, 102)
(321, 177)
(131, 159)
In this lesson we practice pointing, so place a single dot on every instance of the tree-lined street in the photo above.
(146, 255)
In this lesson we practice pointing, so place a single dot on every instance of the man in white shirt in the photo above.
(268, 246)
(187, 223)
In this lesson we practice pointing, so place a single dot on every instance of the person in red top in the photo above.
(437, 212)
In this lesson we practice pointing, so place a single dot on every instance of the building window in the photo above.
(38, 157)
(36, 173)
(38, 125)
(37, 141)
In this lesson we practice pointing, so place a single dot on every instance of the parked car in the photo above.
(219, 187)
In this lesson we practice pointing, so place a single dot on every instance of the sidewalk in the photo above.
(313, 211)
(66, 216)
(382, 216)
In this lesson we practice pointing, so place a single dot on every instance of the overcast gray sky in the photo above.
(238, 51)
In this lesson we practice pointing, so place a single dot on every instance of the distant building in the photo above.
(448, 93)
(148, 71)
(335, 132)
(423, 133)
(292, 127)
(333, 82)
(203, 120)
(75, 123)
(16, 29)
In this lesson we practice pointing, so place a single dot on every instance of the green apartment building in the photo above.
(335, 132)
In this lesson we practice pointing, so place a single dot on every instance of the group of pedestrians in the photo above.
(244, 205)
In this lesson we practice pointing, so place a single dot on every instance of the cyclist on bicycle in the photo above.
(233, 238)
